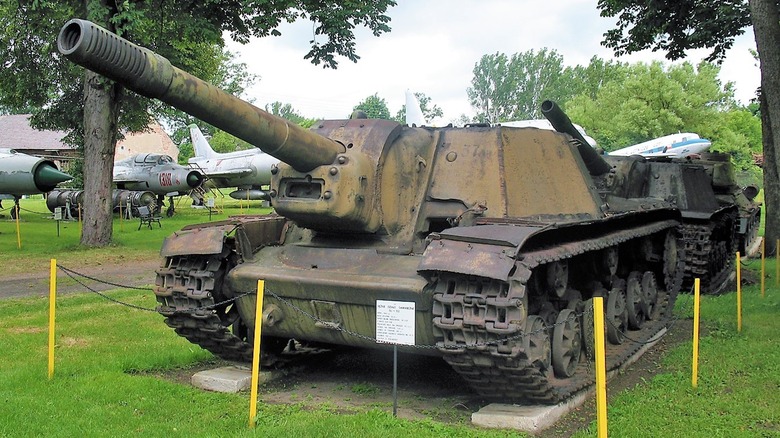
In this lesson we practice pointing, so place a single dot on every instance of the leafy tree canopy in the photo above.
(513, 87)
(653, 100)
(374, 106)
(675, 26)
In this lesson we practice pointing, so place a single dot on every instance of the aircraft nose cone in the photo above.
(47, 177)
(194, 179)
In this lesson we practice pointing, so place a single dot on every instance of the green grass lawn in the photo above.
(739, 375)
(108, 358)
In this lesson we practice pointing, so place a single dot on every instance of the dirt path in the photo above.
(137, 273)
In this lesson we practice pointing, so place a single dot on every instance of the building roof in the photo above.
(16, 133)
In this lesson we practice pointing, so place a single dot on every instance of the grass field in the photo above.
(40, 241)
(109, 358)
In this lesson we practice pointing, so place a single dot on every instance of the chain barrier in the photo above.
(73, 275)
(70, 271)
(670, 323)
(36, 212)
(455, 347)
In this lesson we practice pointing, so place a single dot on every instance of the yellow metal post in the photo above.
(695, 379)
(739, 295)
(18, 229)
(763, 267)
(81, 226)
(52, 301)
(256, 353)
(601, 367)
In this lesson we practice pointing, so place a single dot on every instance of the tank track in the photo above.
(185, 289)
(747, 239)
(497, 370)
(706, 258)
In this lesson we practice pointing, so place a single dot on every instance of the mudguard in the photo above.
(484, 250)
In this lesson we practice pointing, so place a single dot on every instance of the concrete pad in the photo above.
(754, 251)
(535, 418)
(228, 379)
(532, 418)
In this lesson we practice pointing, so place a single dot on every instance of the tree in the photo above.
(493, 89)
(286, 111)
(652, 100)
(676, 26)
(428, 111)
(588, 80)
(513, 88)
(374, 106)
(94, 110)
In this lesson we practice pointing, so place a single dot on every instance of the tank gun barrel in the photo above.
(152, 75)
(561, 122)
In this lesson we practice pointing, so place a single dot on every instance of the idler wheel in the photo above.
(650, 292)
(635, 301)
(537, 342)
(558, 278)
(566, 344)
(616, 319)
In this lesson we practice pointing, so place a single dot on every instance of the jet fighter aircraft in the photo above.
(246, 170)
(156, 173)
(22, 174)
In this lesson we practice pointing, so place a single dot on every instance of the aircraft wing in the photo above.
(230, 173)
(127, 179)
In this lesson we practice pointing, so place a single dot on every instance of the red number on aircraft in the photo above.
(165, 179)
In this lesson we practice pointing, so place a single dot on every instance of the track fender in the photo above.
(483, 250)
(250, 233)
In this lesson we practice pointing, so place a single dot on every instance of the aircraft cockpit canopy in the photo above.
(153, 159)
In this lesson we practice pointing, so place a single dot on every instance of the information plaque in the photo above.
(395, 322)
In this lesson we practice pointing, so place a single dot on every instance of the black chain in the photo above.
(35, 212)
(73, 274)
(424, 347)
(670, 323)
(70, 271)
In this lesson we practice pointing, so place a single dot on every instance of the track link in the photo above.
(708, 250)
(478, 327)
(185, 289)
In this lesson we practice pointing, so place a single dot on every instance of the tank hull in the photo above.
(477, 292)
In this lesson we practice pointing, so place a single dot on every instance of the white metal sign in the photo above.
(395, 322)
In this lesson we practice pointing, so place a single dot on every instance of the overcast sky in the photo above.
(433, 47)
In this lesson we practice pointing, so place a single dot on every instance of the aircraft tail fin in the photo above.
(414, 114)
(200, 145)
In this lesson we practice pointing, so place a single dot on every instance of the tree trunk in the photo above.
(100, 128)
(766, 26)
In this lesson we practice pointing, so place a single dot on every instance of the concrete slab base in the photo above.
(227, 379)
(535, 418)
(754, 250)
